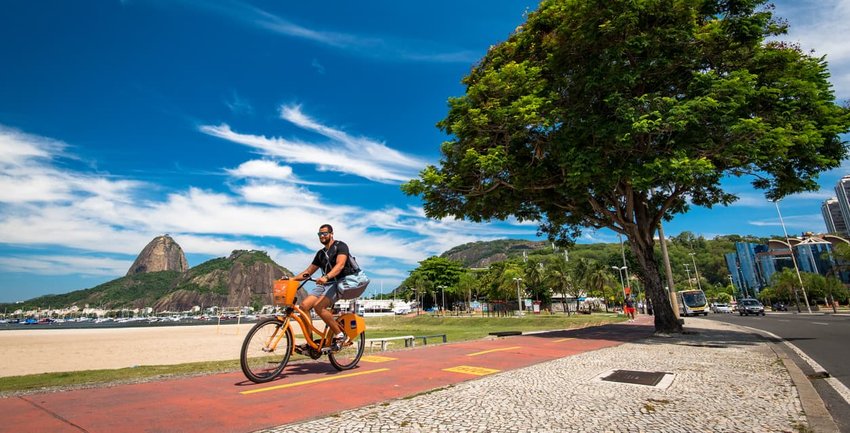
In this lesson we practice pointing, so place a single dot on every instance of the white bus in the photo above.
(692, 303)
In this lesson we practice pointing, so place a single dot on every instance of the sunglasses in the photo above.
(324, 234)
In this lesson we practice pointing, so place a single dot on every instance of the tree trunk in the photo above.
(642, 245)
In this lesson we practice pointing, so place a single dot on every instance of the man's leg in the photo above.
(326, 315)
(308, 303)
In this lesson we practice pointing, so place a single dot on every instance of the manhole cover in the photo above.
(649, 378)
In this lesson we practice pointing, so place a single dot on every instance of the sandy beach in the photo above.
(29, 351)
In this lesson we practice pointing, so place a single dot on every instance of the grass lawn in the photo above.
(455, 328)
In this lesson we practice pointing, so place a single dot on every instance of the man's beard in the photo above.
(325, 241)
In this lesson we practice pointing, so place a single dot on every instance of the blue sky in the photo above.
(246, 125)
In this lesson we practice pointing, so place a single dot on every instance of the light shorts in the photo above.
(329, 291)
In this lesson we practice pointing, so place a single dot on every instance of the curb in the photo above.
(818, 416)
(820, 420)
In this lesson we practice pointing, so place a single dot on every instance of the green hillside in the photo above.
(211, 280)
(130, 291)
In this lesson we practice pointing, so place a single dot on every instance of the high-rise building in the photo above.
(743, 268)
(832, 217)
(842, 193)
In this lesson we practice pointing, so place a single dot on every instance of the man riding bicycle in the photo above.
(335, 265)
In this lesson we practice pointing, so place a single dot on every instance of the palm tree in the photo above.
(559, 276)
(535, 279)
(598, 278)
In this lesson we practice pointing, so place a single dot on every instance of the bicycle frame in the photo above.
(307, 328)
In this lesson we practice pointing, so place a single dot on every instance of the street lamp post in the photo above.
(793, 260)
(688, 271)
(623, 253)
(696, 271)
(518, 299)
(622, 283)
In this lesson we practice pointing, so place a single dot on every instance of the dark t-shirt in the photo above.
(630, 302)
(326, 260)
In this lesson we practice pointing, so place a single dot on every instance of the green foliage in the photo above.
(249, 258)
(218, 264)
(723, 298)
(622, 114)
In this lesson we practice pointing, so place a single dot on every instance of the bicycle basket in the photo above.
(284, 292)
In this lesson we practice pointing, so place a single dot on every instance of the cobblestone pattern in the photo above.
(725, 381)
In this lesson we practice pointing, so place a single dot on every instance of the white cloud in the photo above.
(63, 265)
(27, 173)
(267, 208)
(18, 148)
(794, 223)
(358, 146)
(367, 46)
(344, 153)
(263, 169)
(822, 26)
(280, 194)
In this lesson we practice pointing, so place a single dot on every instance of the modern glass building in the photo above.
(743, 266)
(732, 268)
(832, 217)
(747, 265)
(842, 194)
(752, 265)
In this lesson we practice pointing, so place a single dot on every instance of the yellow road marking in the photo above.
(564, 339)
(494, 350)
(376, 358)
(307, 382)
(468, 369)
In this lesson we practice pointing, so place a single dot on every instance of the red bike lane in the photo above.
(230, 403)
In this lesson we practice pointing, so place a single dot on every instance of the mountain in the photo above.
(244, 278)
(158, 279)
(483, 253)
(160, 254)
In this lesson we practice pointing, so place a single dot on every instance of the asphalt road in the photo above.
(822, 337)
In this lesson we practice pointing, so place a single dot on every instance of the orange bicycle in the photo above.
(271, 342)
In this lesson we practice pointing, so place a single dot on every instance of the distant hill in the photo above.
(708, 254)
(243, 278)
(483, 253)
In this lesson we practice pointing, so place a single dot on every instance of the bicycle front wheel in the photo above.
(266, 350)
(348, 357)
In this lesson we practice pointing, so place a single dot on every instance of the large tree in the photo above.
(623, 113)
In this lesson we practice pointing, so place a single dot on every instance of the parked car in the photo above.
(750, 306)
(721, 308)
(779, 306)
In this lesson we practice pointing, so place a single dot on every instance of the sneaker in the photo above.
(301, 349)
(338, 340)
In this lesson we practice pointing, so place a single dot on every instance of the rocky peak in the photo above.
(161, 254)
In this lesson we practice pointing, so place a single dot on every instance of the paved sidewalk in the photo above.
(723, 379)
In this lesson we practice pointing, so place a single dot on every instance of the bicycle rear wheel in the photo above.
(262, 363)
(348, 357)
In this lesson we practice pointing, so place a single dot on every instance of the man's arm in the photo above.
(305, 273)
(337, 269)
